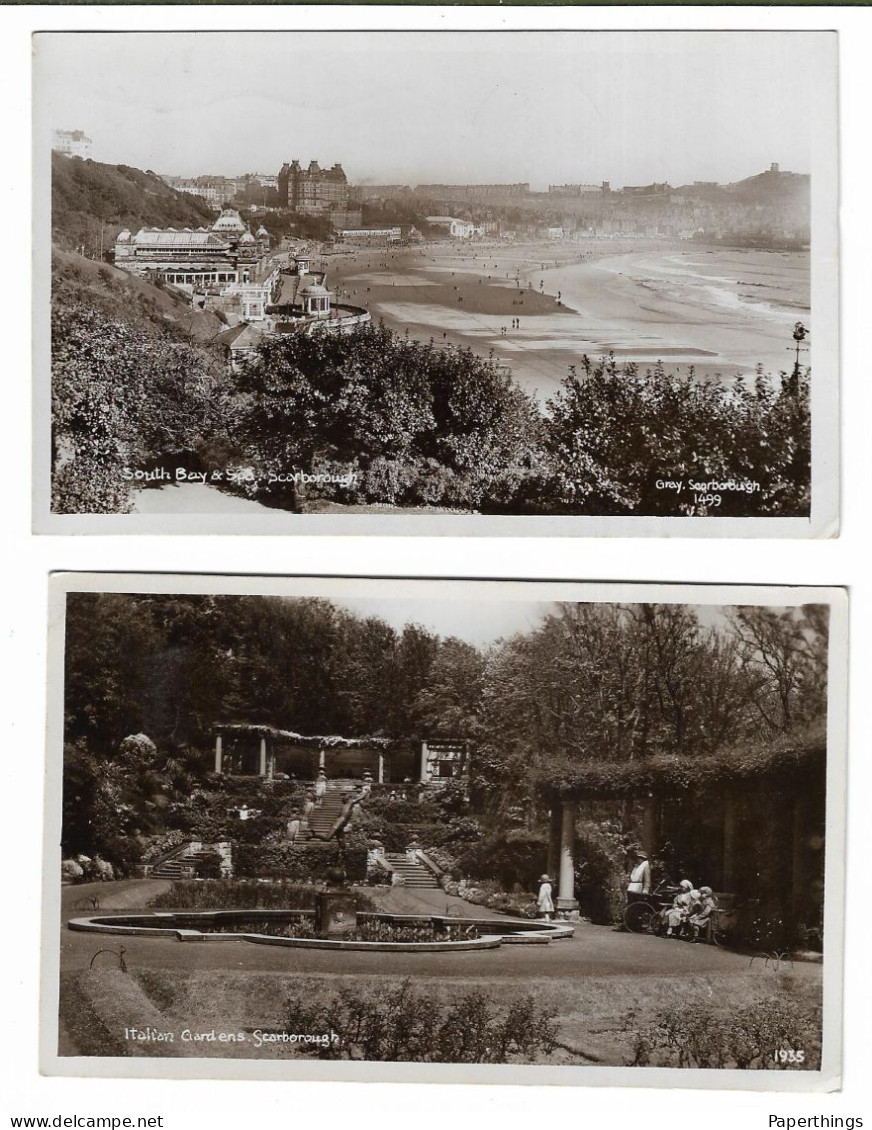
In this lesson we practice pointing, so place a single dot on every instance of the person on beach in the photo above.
(544, 902)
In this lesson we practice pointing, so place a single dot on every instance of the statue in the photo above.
(335, 908)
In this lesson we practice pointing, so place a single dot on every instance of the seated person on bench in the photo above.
(676, 916)
(703, 917)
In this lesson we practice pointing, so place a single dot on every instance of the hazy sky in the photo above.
(480, 622)
(453, 107)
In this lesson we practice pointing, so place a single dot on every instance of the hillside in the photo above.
(121, 297)
(92, 201)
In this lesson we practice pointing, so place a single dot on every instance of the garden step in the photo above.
(414, 874)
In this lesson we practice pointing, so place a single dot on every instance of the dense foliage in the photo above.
(416, 424)
(764, 1035)
(411, 423)
(173, 666)
(613, 432)
(401, 1024)
(121, 399)
(598, 688)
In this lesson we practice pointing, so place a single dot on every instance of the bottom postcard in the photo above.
(461, 831)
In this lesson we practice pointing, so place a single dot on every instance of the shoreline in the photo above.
(644, 301)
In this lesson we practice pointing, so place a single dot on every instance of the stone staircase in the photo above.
(414, 874)
(178, 866)
(324, 816)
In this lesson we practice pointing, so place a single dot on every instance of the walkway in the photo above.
(193, 498)
(596, 951)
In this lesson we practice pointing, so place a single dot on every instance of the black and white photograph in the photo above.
(436, 282)
(461, 831)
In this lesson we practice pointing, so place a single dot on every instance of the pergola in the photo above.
(436, 758)
(794, 767)
(270, 736)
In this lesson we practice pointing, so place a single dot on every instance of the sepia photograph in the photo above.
(518, 832)
(436, 282)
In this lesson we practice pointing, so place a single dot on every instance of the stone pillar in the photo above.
(566, 900)
(731, 825)
(381, 768)
(271, 764)
(554, 839)
(322, 758)
(262, 768)
(218, 757)
(424, 777)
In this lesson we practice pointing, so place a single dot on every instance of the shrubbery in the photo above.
(233, 894)
(300, 861)
(413, 423)
(121, 399)
(614, 431)
(397, 1023)
(696, 1033)
(418, 425)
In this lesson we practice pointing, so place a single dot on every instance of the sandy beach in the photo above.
(538, 308)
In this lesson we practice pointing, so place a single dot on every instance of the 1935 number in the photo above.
(789, 1055)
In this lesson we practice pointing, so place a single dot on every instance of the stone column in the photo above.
(381, 768)
(554, 817)
(566, 900)
(218, 758)
(322, 758)
(263, 757)
(424, 777)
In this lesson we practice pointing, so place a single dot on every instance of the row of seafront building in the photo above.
(773, 204)
(229, 270)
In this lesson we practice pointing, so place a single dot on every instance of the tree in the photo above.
(783, 653)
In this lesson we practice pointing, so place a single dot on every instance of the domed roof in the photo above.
(261, 231)
(247, 238)
(314, 289)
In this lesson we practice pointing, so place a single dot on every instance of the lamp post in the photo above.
(799, 335)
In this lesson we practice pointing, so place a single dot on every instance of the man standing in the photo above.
(640, 878)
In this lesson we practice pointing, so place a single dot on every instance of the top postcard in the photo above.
(362, 282)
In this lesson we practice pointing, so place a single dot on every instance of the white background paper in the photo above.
(28, 560)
